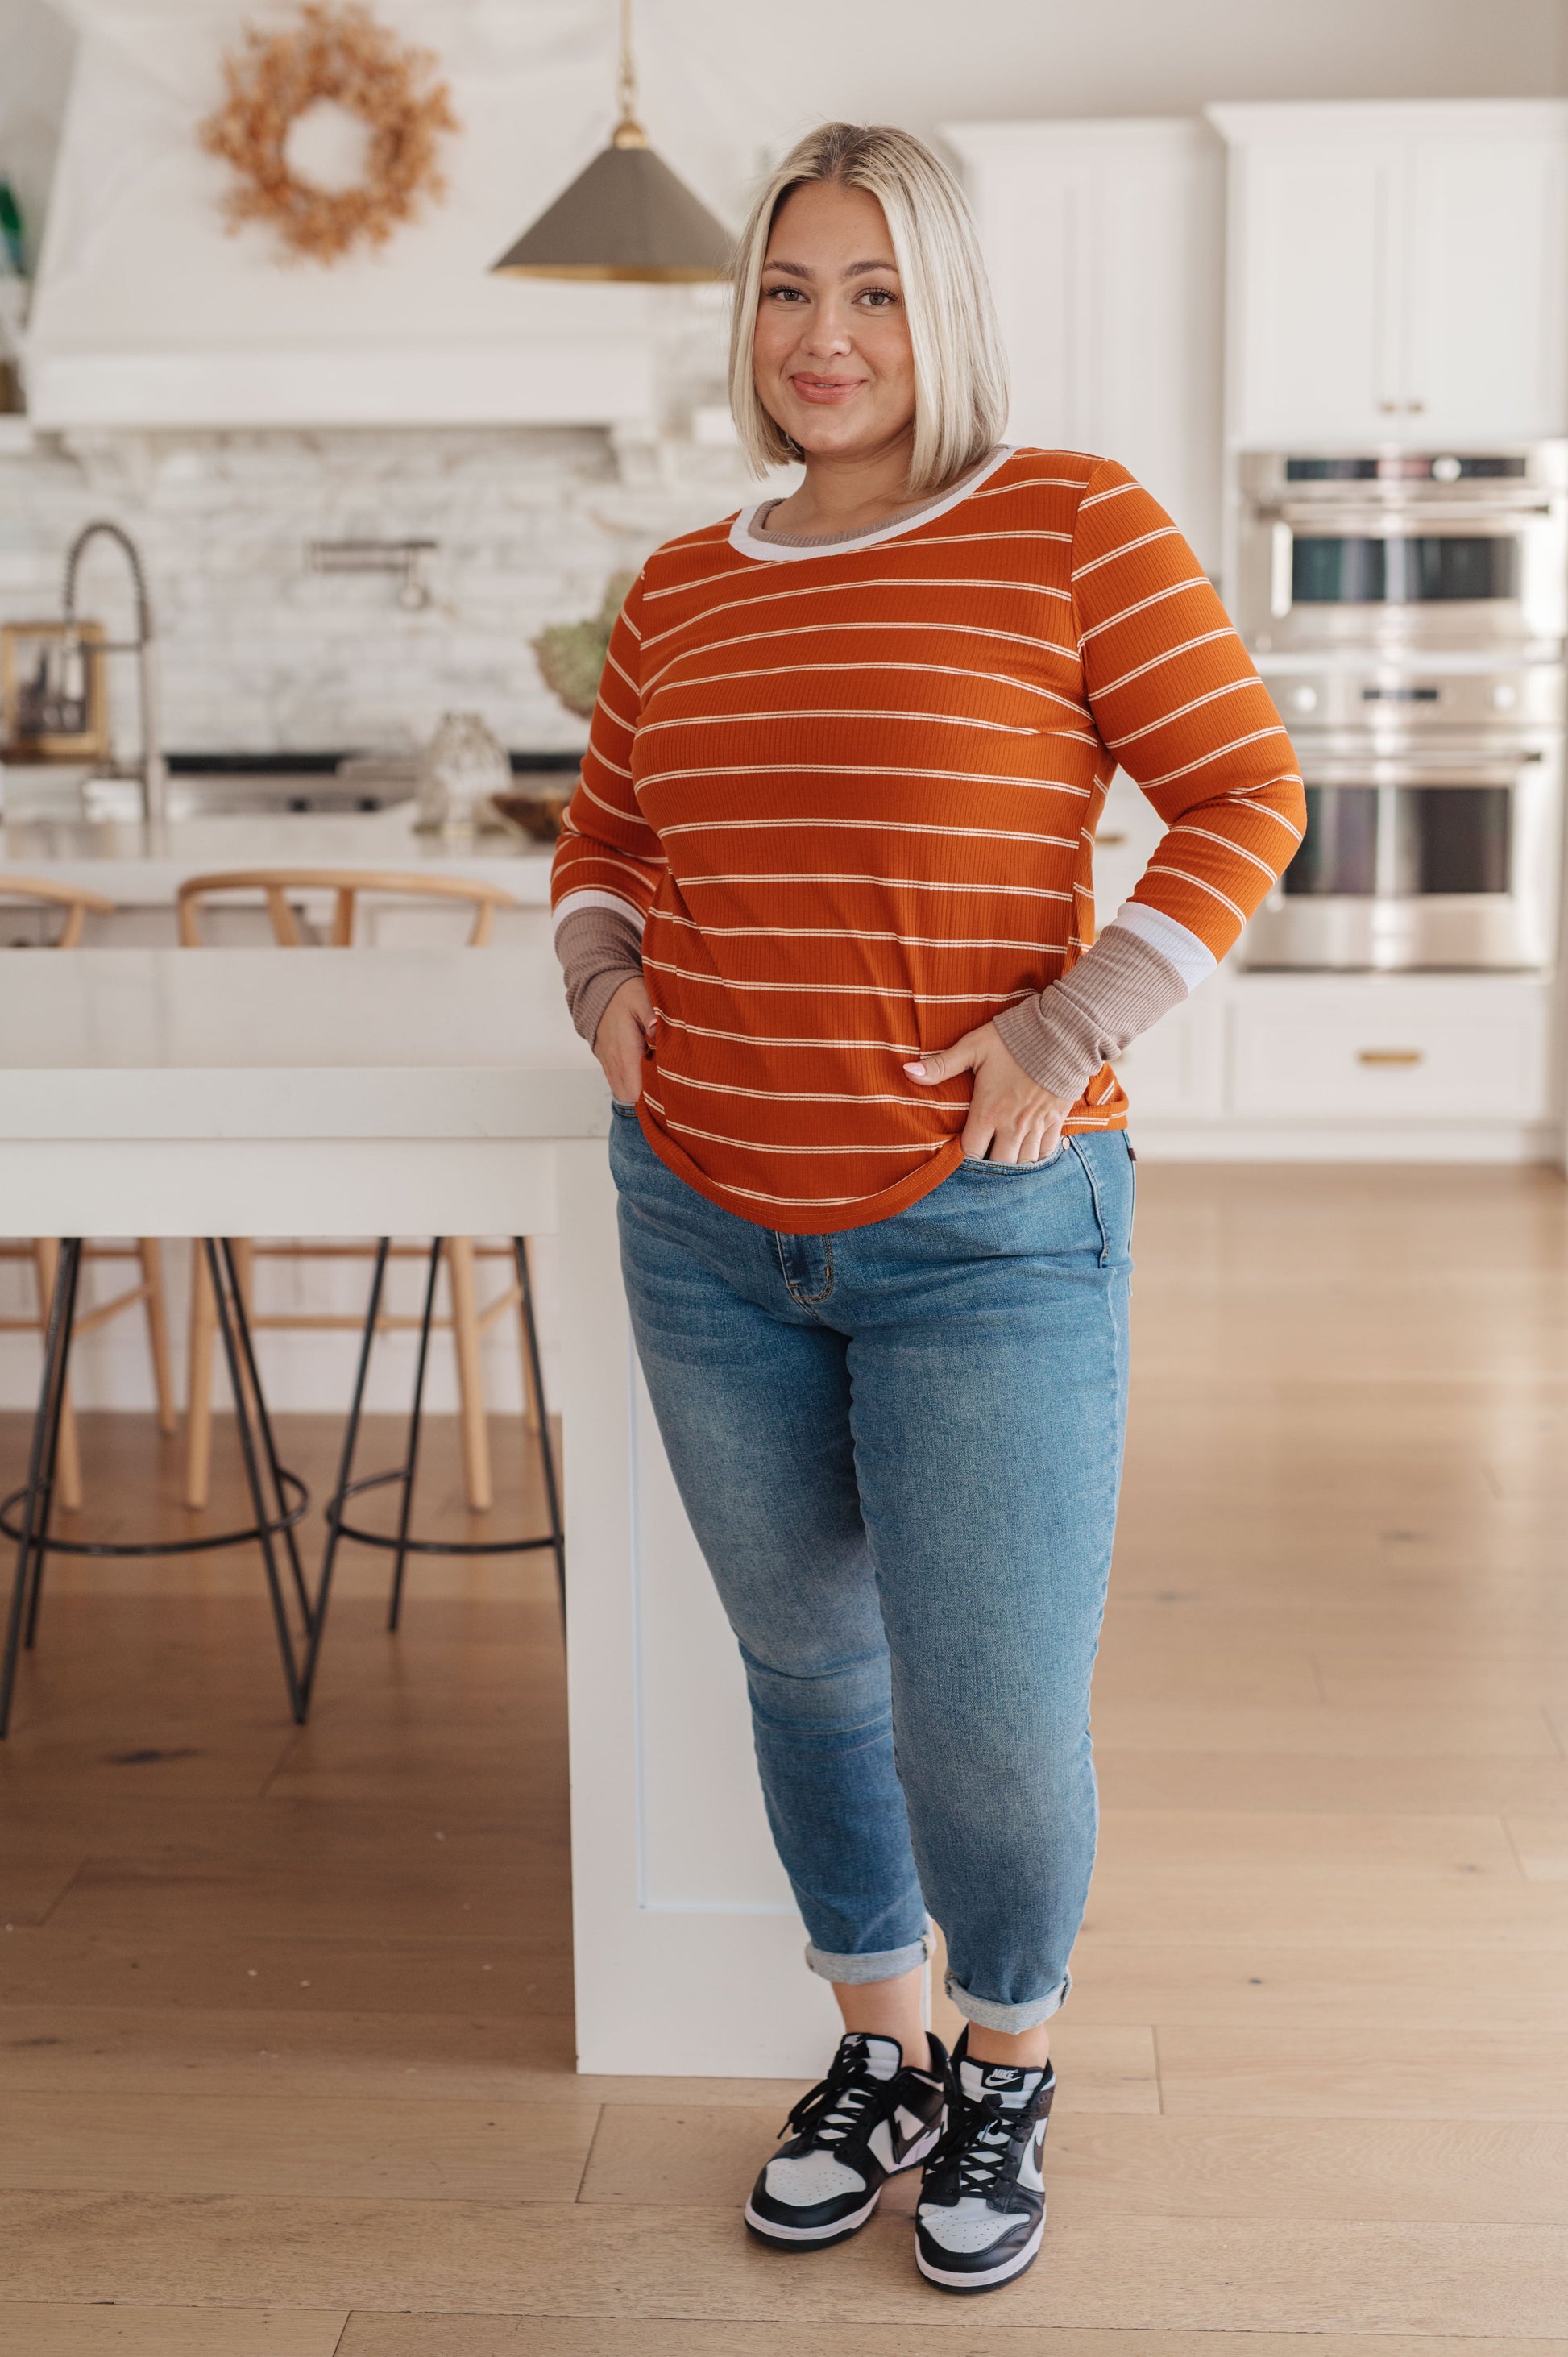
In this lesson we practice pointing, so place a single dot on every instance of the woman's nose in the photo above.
(829, 329)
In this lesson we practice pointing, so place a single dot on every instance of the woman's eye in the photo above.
(784, 294)
(878, 297)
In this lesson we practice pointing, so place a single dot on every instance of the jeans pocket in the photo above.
(1013, 1169)
(627, 1112)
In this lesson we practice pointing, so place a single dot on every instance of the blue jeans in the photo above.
(899, 1449)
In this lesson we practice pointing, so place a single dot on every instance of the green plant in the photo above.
(572, 654)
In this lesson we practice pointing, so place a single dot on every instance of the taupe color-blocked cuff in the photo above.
(1115, 991)
(598, 950)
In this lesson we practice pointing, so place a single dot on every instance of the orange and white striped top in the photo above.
(851, 791)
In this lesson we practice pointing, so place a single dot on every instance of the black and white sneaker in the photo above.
(870, 2119)
(982, 2213)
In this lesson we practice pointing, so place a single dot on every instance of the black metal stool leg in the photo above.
(36, 1584)
(546, 1454)
(51, 1452)
(415, 1413)
(230, 1324)
(264, 1431)
(402, 1543)
(345, 1469)
(40, 1492)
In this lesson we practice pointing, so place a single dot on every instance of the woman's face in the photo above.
(831, 356)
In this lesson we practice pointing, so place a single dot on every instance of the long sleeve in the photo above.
(608, 861)
(1177, 702)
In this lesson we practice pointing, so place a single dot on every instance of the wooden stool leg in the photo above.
(69, 1458)
(151, 1257)
(531, 1405)
(470, 1373)
(68, 1462)
(198, 1389)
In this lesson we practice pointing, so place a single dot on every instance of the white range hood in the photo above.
(147, 315)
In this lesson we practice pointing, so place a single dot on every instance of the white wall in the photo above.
(920, 62)
(35, 69)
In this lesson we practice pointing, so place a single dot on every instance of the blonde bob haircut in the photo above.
(961, 371)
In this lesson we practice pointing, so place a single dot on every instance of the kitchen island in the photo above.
(171, 1093)
(141, 867)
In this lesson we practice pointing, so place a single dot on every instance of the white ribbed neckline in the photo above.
(765, 545)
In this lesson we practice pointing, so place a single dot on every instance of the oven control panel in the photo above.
(1389, 701)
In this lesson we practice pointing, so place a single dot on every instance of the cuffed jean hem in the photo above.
(1009, 2019)
(886, 1966)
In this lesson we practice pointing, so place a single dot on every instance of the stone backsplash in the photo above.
(260, 654)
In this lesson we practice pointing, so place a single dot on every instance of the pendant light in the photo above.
(626, 216)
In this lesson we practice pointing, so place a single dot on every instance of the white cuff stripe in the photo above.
(1192, 959)
(575, 902)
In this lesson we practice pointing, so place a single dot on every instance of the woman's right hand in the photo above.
(624, 1037)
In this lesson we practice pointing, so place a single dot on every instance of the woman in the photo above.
(825, 911)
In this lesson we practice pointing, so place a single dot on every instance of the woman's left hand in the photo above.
(1011, 1117)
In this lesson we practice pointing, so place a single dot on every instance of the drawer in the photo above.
(1392, 1055)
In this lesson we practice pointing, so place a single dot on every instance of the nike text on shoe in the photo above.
(870, 2119)
(982, 2214)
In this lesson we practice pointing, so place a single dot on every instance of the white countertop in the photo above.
(292, 1044)
(138, 865)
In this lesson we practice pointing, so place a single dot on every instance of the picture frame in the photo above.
(52, 701)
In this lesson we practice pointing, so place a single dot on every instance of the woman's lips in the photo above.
(825, 388)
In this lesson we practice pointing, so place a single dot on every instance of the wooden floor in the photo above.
(286, 2039)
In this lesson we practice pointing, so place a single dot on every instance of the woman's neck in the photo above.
(842, 495)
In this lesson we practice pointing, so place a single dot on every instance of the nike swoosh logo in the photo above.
(901, 2138)
(1040, 2154)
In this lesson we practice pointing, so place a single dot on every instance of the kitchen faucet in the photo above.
(150, 768)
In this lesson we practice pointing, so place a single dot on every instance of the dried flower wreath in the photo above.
(339, 53)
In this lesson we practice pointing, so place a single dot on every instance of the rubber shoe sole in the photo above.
(984, 2279)
(811, 2238)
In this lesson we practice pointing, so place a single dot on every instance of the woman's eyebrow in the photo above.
(850, 270)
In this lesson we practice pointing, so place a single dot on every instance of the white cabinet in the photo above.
(1103, 243)
(1486, 278)
(1397, 274)
(1309, 309)
(1460, 1049)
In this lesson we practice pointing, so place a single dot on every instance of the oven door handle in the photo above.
(1410, 522)
(1374, 771)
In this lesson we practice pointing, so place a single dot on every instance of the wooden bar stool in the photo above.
(469, 1319)
(43, 1252)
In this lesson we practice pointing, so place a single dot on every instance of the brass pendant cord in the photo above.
(628, 132)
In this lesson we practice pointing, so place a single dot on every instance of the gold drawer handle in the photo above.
(1108, 839)
(1391, 1055)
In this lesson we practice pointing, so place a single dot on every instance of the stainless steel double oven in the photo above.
(1408, 613)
